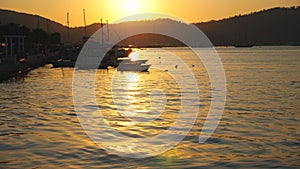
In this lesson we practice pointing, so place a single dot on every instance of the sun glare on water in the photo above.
(134, 56)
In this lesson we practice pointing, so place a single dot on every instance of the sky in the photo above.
(112, 10)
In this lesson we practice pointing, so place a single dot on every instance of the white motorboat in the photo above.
(130, 65)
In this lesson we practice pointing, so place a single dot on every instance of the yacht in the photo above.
(126, 64)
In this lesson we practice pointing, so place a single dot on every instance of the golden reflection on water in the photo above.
(259, 128)
(146, 104)
(134, 56)
(131, 110)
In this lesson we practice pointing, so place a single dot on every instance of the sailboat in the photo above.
(69, 54)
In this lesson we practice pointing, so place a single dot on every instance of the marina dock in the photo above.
(14, 61)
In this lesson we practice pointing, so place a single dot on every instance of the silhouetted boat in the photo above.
(63, 63)
(133, 67)
(70, 63)
(243, 46)
(294, 43)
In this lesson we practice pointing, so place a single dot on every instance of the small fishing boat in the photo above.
(133, 67)
(243, 46)
(63, 63)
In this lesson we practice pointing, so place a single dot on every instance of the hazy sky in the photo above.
(190, 10)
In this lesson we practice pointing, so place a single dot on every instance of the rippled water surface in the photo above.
(260, 126)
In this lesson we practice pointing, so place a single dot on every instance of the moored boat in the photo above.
(133, 67)
(63, 63)
(126, 64)
(243, 46)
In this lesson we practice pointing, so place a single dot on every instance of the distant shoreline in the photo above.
(225, 46)
(268, 27)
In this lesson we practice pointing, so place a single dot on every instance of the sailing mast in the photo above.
(68, 23)
(107, 31)
(84, 23)
(102, 36)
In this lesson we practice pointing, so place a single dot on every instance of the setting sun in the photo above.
(131, 5)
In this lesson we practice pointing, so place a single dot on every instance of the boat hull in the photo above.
(243, 46)
(133, 67)
(63, 64)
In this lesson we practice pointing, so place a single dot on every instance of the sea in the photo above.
(132, 119)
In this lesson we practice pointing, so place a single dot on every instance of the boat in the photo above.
(71, 64)
(294, 43)
(127, 64)
(243, 46)
(133, 67)
(63, 63)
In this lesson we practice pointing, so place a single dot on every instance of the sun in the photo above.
(118, 10)
(131, 5)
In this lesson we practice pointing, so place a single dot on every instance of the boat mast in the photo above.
(107, 31)
(102, 32)
(84, 23)
(68, 23)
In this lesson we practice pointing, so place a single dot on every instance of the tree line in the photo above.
(34, 36)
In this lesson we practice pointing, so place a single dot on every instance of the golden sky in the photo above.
(112, 10)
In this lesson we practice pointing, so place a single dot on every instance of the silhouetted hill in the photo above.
(30, 21)
(35, 21)
(277, 26)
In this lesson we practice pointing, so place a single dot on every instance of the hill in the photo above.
(276, 26)
(35, 21)
(30, 21)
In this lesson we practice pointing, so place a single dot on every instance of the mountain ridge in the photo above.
(275, 26)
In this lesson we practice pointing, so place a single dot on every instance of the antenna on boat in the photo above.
(84, 22)
(107, 31)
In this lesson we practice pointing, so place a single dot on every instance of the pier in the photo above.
(14, 60)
